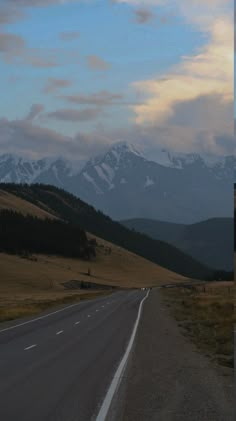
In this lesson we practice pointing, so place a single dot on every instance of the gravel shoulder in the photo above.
(167, 378)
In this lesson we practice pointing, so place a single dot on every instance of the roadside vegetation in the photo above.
(206, 314)
(31, 306)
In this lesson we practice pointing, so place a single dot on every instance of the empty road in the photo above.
(59, 367)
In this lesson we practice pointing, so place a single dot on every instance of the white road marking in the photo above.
(97, 310)
(117, 377)
(39, 318)
(89, 315)
(60, 332)
(30, 347)
(76, 323)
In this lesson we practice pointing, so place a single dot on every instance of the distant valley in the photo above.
(211, 242)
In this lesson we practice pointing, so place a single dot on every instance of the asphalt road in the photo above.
(58, 368)
(168, 378)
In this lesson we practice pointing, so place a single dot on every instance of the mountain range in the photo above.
(124, 184)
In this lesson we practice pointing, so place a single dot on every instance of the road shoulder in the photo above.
(167, 378)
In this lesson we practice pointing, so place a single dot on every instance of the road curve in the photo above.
(59, 367)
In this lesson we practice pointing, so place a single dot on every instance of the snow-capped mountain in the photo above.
(124, 184)
(56, 171)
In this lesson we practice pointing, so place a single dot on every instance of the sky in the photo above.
(80, 75)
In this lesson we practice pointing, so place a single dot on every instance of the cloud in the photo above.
(54, 84)
(39, 61)
(72, 115)
(35, 110)
(97, 63)
(25, 138)
(209, 72)
(69, 35)
(10, 14)
(21, 136)
(11, 44)
(14, 50)
(102, 98)
(143, 16)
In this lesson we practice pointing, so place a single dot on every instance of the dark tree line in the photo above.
(72, 209)
(28, 234)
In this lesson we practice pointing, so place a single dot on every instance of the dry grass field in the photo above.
(207, 316)
(12, 202)
(28, 285)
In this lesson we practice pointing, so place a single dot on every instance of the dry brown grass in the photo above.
(207, 316)
(15, 203)
(28, 285)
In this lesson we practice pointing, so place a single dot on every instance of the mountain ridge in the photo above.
(124, 184)
(210, 241)
(69, 208)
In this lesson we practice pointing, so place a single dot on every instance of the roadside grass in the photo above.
(31, 307)
(31, 285)
(206, 314)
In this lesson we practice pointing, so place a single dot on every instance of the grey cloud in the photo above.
(143, 16)
(11, 43)
(14, 47)
(24, 138)
(97, 63)
(204, 112)
(38, 61)
(74, 115)
(36, 3)
(35, 110)
(69, 35)
(54, 84)
(226, 142)
(101, 98)
(10, 15)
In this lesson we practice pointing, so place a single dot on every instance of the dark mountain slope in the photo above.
(210, 242)
(71, 209)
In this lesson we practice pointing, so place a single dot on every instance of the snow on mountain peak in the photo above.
(123, 147)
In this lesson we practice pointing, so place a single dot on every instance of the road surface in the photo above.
(167, 378)
(59, 367)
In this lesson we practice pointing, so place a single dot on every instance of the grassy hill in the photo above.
(67, 207)
(210, 242)
(32, 282)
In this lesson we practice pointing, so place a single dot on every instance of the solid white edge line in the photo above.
(30, 347)
(117, 377)
(39, 318)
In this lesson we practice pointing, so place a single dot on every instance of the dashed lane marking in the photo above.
(30, 347)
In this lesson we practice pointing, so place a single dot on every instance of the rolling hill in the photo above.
(67, 207)
(210, 241)
(32, 282)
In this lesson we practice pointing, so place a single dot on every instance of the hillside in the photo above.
(210, 241)
(15, 203)
(31, 283)
(67, 207)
